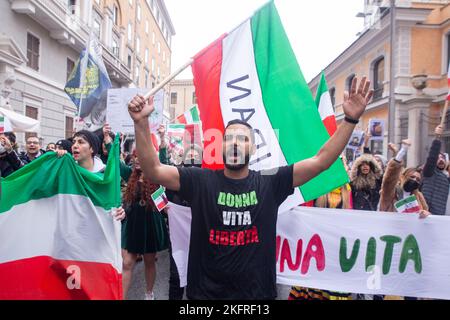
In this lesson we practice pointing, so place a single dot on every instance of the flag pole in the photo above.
(168, 79)
(444, 115)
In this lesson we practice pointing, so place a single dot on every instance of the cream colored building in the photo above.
(40, 40)
(182, 97)
(422, 56)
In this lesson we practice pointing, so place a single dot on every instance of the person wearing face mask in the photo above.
(399, 184)
(435, 186)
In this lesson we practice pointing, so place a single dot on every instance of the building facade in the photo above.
(40, 41)
(422, 56)
(182, 97)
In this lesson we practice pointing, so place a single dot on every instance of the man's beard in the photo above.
(238, 166)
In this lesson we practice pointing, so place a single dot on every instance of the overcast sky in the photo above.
(318, 30)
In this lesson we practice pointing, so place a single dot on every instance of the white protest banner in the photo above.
(117, 112)
(350, 251)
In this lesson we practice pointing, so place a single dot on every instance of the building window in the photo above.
(138, 45)
(97, 28)
(70, 67)
(173, 98)
(153, 38)
(115, 47)
(164, 56)
(194, 98)
(378, 79)
(139, 12)
(130, 2)
(146, 26)
(349, 81)
(130, 32)
(153, 65)
(146, 56)
(31, 112)
(159, 47)
(33, 45)
(116, 15)
(129, 59)
(72, 4)
(146, 79)
(69, 127)
(136, 75)
(333, 96)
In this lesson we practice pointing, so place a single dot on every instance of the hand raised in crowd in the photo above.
(439, 131)
(393, 148)
(106, 131)
(6, 144)
(119, 214)
(140, 109)
(60, 153)
(424, 214)
(356, 101)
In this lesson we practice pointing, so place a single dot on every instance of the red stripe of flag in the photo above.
(207, 68)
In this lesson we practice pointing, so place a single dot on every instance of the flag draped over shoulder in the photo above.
(252, 74)
(58, 239)
(325, 105)
(88, 85)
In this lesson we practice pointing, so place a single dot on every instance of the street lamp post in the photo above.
(391, 133)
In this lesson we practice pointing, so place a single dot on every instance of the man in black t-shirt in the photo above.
(234, 211)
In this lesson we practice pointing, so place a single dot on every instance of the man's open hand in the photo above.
(356, 101)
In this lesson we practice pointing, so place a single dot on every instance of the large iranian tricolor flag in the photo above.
(252, 74)
(325, 105)
(58, 239)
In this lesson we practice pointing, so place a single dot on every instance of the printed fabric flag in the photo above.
(252, 74)
(160, 199)
(17, 122)
(325, 105)
(88, 86)
(191, 116)
(2, 124)
(58, 239)
(408, 205)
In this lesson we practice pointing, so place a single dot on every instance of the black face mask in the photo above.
(411, 185)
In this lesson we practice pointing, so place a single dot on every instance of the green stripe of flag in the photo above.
(289, 102)
(49, 176)
(158, 193)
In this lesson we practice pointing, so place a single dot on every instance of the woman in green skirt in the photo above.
(144, 231)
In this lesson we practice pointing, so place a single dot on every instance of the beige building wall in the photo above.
(182, 97)
(421, 47)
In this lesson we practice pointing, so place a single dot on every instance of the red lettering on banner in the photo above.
(314, 250)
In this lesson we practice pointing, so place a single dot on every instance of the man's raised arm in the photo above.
(355, 103)
(156, 172)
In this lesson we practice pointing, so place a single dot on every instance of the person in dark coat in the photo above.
(9, 160)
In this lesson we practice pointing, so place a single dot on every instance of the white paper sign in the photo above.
(117, 112)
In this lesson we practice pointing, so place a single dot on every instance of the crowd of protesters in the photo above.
(375, 185)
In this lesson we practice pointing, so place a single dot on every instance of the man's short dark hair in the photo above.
(243, 123)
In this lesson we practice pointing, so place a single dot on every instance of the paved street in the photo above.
(161, 289)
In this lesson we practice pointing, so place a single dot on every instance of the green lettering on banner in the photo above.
(222, 198)
(371, 253)
(411, 251)
(388, 251)
(253, 198)
(347, 264)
